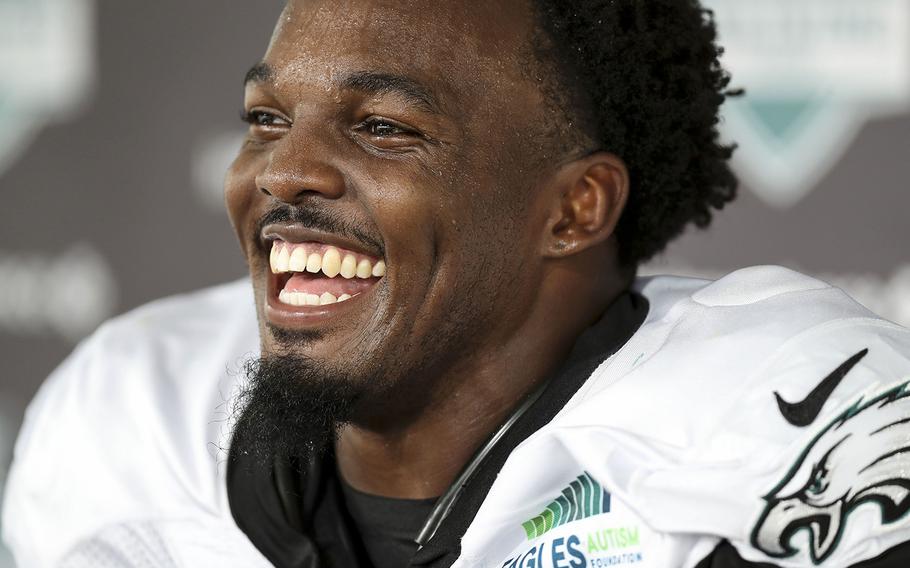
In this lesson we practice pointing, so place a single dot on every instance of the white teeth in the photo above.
(292, 298)
(284, 257)
(273, 257)
(304, 299)
(314, 263)
(349, 266)
(298, 260)
(364, 269)
(331, 262)
(281, 261)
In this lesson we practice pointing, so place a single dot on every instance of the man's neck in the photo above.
(421, 458)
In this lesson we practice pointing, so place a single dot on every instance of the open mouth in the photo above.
(312, 274)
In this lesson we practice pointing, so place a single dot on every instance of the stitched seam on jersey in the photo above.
(671, 318)
(649, 349)
(824, 286)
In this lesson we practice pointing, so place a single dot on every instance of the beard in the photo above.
(291, 408)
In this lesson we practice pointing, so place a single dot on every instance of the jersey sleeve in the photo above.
(69, 475)
(808, 466)
(131, 427)
(30, 526)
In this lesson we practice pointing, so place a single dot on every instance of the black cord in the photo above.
(445, 503)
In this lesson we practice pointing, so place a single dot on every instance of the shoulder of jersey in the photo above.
(712, 352)
(767, 408)
(132, 424)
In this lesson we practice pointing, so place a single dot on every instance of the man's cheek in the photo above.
(240, 192)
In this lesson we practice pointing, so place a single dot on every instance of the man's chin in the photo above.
(290, 407)
(286, 340)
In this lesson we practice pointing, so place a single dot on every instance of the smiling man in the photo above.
(443, 205)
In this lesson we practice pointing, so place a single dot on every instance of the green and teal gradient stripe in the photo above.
(583, 498)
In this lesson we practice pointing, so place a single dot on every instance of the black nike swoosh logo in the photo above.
(805, 412)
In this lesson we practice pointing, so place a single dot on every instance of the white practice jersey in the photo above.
(765, 409)
(121, 460)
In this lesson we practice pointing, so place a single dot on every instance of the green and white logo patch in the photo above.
(583, 498)
(814, 72)
(46, 67)
(582, 527)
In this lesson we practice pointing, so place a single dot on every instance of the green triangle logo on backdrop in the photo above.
(781, 119)
(814, 72)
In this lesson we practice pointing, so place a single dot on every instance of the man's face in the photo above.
(403, 134)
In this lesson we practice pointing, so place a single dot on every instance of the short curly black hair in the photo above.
(646, 84)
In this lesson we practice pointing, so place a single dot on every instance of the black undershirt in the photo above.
(387, 526)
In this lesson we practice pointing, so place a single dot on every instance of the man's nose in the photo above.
(299, 167)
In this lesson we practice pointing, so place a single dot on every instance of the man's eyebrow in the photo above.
(369, 82)
(260, 73)
(375, 83)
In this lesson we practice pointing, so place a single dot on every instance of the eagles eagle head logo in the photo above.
(861, 457)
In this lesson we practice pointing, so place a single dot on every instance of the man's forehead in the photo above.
(403, 37)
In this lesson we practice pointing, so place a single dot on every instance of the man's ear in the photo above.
(588, 198)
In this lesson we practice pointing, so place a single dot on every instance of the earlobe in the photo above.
(592, 194)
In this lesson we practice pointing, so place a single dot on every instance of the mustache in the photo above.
(319, 220)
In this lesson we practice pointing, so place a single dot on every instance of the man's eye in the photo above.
(262, 118)
(383, 128)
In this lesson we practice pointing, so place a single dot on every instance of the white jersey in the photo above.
(765, 409)
(120, 455)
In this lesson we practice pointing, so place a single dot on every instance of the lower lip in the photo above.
(289, 316)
